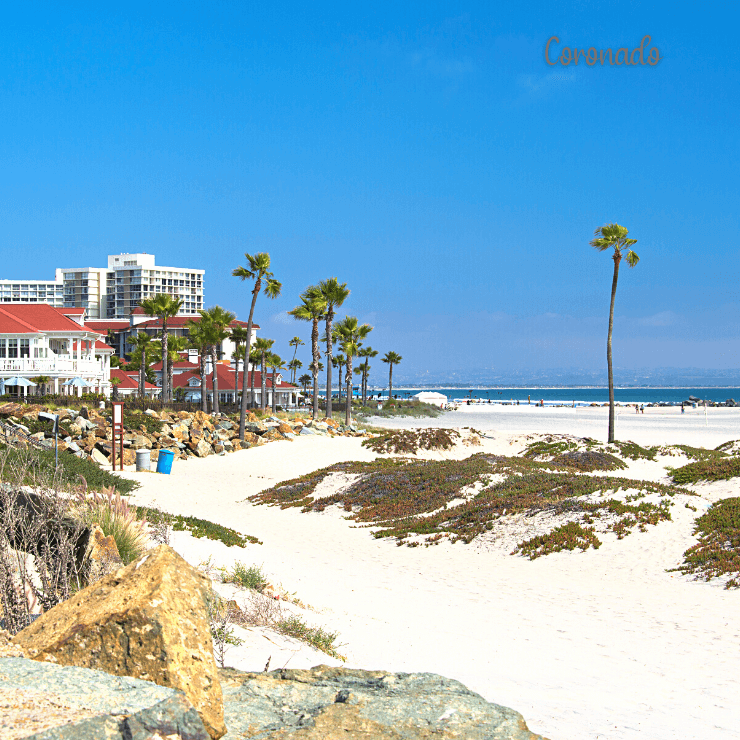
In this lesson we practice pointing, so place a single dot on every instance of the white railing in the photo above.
(57, 366)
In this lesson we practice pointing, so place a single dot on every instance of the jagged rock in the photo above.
(32, 413)
(148, 620)
(141, 442)
(98, 457)
(102, 556)
(11, 409)
(254, 427)
(67, 703)
(285, 428)
(202, 449)
(8, 649)
(152, 413)
(307, 430)
(331, 703)
(272, 435)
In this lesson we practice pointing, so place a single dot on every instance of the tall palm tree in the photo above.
(198, 339)
(367, 353)
(175, 345)
(312, 308)
(295, 343)
(216, 320)
(165, 307)
(350, 335)
(613, 235)
(392, 358)
(335, 294)
(257, 269)
(263, 346)
(141, 343)
(339, 359)
(239, 337)
(294, 366)
(304, 380)
(275, 362)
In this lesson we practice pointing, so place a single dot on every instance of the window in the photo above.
(12, 348)
(3, 350)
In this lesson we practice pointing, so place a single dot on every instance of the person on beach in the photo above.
(642, 408)
(683, 410)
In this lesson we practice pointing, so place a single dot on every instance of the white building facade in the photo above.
(32, 291)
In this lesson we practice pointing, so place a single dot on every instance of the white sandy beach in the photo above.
(601, 644)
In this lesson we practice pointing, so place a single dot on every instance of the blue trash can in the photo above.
(164, 462)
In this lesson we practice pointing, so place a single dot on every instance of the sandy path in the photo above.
(602, 644)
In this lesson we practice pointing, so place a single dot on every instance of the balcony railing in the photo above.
(55, 366)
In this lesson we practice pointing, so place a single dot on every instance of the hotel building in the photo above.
(32, 291)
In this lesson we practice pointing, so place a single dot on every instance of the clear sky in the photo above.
(425, 153)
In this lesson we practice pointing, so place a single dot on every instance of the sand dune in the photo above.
(601, 644)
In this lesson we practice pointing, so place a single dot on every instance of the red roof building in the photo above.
(40, 340)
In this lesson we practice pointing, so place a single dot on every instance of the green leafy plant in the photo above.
(198, 527)
(410, 441)
(706, 470)
(718, 551)
(317, 637)
(246, 576)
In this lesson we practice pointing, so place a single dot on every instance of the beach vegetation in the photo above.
(717, 553)
(39, 465)
(316, 637)
(246, 576)
(395, 408)
(410, 441)
(197, 527)
(115, 518)
(258, 270)
(143, 422)
(710, 469)
(567, 537)
(634, 451)
(587, 461)
(403, 497)
(613, 236)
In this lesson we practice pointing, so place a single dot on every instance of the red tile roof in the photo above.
(32, 318)
(226, 377)
(103, 326)
(129, 380)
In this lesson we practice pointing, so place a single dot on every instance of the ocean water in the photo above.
(581, 396)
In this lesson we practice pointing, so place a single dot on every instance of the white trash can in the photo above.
(143, 460)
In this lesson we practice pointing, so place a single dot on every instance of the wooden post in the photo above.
(117, 432)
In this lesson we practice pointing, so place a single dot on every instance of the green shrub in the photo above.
(315, 636)
(247, 576)
(410, 441)
(198, 527)
(706, 470)
(71, 470)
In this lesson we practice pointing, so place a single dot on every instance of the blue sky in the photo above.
(427, 155)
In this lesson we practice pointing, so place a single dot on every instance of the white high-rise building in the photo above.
(114, 292)
(32, 291)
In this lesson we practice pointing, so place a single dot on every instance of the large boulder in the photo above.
(148, 620)
(51, 702)
(340, 703)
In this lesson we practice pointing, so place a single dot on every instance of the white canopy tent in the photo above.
(432, 397)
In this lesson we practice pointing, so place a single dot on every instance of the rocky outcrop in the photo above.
(148, 620)
(331, 703)
(102, 556)
(50, 702)
(187, 434)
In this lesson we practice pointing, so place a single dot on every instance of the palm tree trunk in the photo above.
(274, 401)
(390, 381)
(214, 403)
(263, 384)
(142, 374)
(243, 408)
(165, 360)
(236, 375)
(617, 258)
(340, 384)
(203, 382)
(251, 388)
(315, 367)
(329, 320)
(348, 400)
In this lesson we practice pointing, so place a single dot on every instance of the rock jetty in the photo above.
(88, 432)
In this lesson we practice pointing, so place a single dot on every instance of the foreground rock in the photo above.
(331, 703)
(50, 702)
(148, 620)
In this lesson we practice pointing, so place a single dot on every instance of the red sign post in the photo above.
(117, 433)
